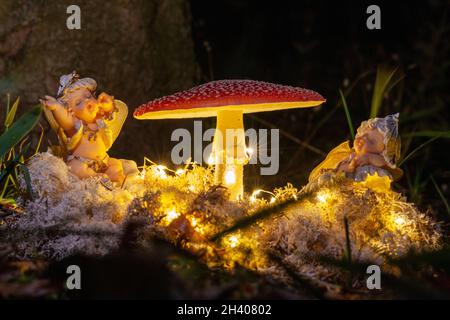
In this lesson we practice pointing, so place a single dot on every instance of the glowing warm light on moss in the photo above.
(233, 241)
(171, 215)
(399, 221)
(254, 194)
(187, 205)
(322, 197)
(180, 172)
(210, 160)
(249, 152)
(230, 177)
(142, 174)
(195, 223)
(253, 197)
(160, 171)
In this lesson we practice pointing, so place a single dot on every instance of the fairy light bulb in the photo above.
(160, 171)
(233, 241)
(254, 194)
(172, 215)
(399, 221)
(322, 197)
(249, 152)
(230, 177)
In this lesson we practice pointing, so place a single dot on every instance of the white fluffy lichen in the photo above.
(381, 224)
(67, 215)
(65, 212)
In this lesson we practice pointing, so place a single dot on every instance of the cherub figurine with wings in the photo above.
(87, 126)
(375, 151)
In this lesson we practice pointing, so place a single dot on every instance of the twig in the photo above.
(260, 215)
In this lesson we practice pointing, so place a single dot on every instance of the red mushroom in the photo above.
(228, 100)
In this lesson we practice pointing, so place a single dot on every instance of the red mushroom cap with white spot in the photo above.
(246, 95)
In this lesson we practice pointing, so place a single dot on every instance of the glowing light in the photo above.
(160, 171)
(248, 152)
(171, 215)
(399, 221)
(230, 177)
(233, 241)
(322, 197)
(254, 194)
(210, 160)
(195, 223)
(191, 188)
(179, 172)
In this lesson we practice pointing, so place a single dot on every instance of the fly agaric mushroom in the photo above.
(228, 100)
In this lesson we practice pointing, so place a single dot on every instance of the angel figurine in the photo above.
(87, 126)
(376, 150)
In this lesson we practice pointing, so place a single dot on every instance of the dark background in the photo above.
(325, 46)
(139, 50)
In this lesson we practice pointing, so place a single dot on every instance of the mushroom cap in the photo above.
(247, 95)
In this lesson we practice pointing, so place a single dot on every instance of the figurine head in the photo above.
(380, 136)
(78, 96)
(371, 141)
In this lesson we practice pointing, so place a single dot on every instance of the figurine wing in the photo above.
(332, 160)
(396, 173)
(118, 119)
(74, 140)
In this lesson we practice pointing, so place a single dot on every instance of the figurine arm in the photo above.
(347, 165)
(371, 159)
(61, 114)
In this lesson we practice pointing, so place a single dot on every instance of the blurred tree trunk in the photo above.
(135, 49)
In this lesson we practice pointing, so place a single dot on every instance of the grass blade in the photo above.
(330, 114)
(8, 102)
(27, 178)
(258, 216)
(441, 195)
(348, 247)
(347, 115)
(383, 83)
(412, 153)
(11, 114)
(12, 164)
(429, 133)
(19, 130)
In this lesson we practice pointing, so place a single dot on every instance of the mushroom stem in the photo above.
(229, 152)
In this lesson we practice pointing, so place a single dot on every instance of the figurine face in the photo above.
(83, 104)
(370, 142)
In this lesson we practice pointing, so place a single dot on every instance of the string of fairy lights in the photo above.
(324, 198)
